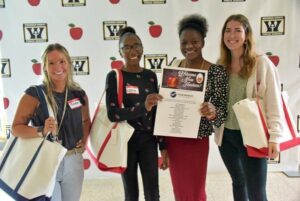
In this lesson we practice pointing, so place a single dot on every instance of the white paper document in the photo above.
(183, 91)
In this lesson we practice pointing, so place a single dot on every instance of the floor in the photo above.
(280, 188)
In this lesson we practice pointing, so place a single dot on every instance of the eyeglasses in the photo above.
(128, 48)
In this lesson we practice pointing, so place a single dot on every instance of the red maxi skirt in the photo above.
(188, 167)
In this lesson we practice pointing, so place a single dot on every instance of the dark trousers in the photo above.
(142, 152)
(248, 174)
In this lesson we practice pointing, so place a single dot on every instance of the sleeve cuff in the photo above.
(161, 143)
(274, 138)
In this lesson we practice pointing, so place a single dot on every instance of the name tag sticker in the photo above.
(132, 89)
(74, 103)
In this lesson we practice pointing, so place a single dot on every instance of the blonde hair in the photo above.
(47, 80)
(249, 56)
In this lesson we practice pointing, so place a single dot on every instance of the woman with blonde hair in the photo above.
(70, 124)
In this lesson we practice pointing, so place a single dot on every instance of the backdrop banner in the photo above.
(88, 29)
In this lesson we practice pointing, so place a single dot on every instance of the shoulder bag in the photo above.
(107, 143)
(28, 165)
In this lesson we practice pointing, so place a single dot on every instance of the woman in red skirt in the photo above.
(188, 157)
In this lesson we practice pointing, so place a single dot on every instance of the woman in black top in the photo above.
(71, 121)
(139, 98)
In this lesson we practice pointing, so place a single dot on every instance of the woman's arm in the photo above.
(270, 89)
(219, 95)
(23, 115)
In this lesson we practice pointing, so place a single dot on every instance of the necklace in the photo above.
(55, 137)
(64, 111)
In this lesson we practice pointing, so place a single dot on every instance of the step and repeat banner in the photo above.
(88, 29)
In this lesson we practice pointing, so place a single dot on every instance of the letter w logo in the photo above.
(3, 68)
(155, 63)
(272, 26)
(114, 29)
(36, 32)
(78, 65)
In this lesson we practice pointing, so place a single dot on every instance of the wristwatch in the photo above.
(40, 131)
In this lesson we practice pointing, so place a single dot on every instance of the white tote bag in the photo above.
(251, 118)
(28, 166)
(107, 144)
(253, 127)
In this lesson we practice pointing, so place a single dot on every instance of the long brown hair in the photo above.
(249, 56)
(47, 80)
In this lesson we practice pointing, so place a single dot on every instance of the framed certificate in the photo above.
(183, 91)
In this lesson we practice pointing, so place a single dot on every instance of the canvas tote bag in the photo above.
(28, 166)
(251, 117)
(107, 144)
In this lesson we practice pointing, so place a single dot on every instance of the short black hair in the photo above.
(126, 31)
(194, 21)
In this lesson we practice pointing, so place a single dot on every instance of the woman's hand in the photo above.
(273, 149)
(151, 100)
(50, 126)
(80, 144)
(208, 110)
(165, 159)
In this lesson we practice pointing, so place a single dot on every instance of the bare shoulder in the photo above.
(28, 102)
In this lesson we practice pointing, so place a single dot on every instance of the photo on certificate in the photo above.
(183, 91)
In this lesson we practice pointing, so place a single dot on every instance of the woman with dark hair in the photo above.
(188, 157)
(70, 124)
(250, 75)
(140, 96)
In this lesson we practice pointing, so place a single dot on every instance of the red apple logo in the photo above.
(118, 64)
(114, 1)
(5, 102)
(75, 32)
(86, 164)
(36, 67)
(34, 2)
(172, 81)
(155, 30)
(1, 34)
(273, 58)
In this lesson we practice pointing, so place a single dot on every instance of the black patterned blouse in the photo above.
(216, 92)
(136, 87)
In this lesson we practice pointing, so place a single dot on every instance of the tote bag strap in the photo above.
(44, 107)
(42, 100)
(119, 78)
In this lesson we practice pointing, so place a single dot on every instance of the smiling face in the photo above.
(57, 67)
(191, 44)
(131, 49)
(234, 36)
